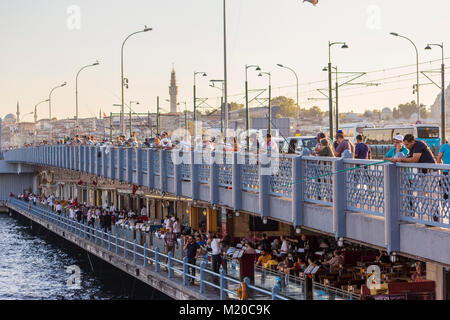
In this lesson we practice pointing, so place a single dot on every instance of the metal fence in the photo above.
(419, 190)
(147, 257)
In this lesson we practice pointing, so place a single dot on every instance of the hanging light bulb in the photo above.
(265, 220)
(237, 213)
(298, 230)
(340, 242)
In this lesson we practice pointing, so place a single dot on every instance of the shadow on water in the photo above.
(34, 261)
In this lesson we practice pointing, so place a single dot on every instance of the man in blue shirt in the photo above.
(398, 148)
(444, 154)
(362, 150)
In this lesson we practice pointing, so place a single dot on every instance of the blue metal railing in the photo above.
(422, 196)
(143, 255)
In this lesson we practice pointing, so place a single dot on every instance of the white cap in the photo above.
(398, 137)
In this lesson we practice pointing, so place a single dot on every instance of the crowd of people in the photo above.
(104, 216)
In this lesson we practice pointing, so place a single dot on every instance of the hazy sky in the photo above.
(39, 50)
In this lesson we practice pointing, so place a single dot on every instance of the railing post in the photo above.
(298, 189)
(339, 198)
(129, 165)
(109, 240)
(120, 162)
(202, 277)
(185, 271)
(177, 171)
(157, 267)
(170, 264)
(96, 234)
(117, 241)
(112, 163)
(237, 185)
(103, 237)
(214, 180)
(264, 184)
(391, 207)
(222, 284)
(150, 172)
(274, 292)
(162, 171)
(196, 160)
(145, 254)
(125, 239)
(139, 172)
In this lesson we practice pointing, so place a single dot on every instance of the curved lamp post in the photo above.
(416, 87)
(76, 92)
(247, 111)
(122, 85)
(330, 85)
(296, 77)
(270, 97)
(443, 114)
(203, 74)
(50, 108)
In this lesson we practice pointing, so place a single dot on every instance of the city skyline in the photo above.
(34, 64)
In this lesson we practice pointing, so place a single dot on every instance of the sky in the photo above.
(45, 43)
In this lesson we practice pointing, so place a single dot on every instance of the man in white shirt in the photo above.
(144, 211)
(269, 146)
(165, 141)
(167, 222)
(216, 253)
(59, 208)
(177, 227)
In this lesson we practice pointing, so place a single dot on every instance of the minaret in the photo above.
(18, 113)
(173, 91)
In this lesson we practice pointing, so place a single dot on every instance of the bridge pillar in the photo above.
(129, 165)
(436, 273)
(150, 173)
(138, 176)
(391, 208)
(237, 185)
(162, 171)
(214, 180)
(298, 189)
(177, 172)
(112, 163)
(264, 186)
(120, 163)
(196, 161)
(339, 198)
(105, 159)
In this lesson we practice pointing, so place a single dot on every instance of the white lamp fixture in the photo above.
(298, 230)
(265, 220)
(340, 242)
(237, 213)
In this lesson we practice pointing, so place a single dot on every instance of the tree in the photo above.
(236, 106)
(312, 113)
(287, 106)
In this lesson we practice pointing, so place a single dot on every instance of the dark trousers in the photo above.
(216, 262)
(191, 270)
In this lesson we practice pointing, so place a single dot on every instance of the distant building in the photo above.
(173, 91)
(436, 106)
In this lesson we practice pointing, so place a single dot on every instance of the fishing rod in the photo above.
(289, 145)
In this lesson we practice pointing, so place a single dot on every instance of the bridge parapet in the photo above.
(412, 193)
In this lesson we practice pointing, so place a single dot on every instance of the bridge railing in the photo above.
(145, 256)
(345, 184)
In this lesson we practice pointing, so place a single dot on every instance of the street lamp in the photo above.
(337, 98)
(122, 85)
(247, 111)
(76, 92)
(131, 121)
(330, 85)
(296, 77)
(213, 85)
(195, 99)
(50, 108)
(416, 87)
(270, 97)
(443, 114)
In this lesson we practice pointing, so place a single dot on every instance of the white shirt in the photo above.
(284, 246)
(176, 227)
(58, 207)
(167, 223)
(144, 211)
(215, 246)
(165, 143)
